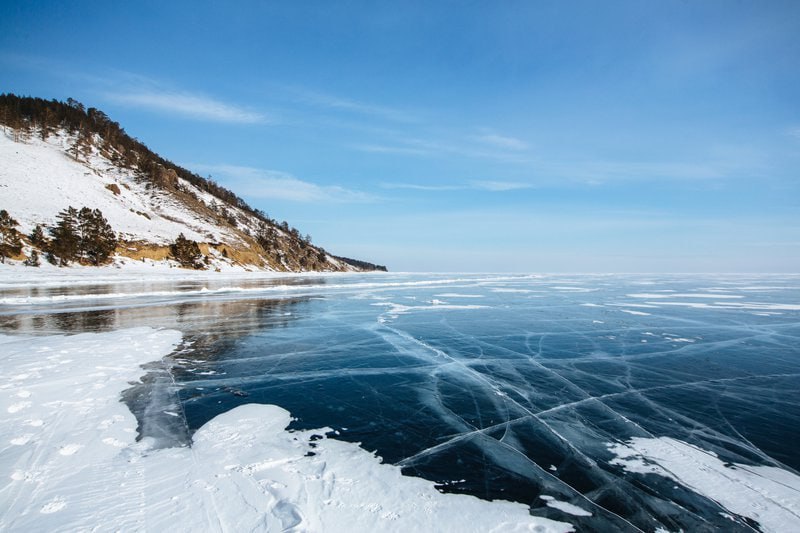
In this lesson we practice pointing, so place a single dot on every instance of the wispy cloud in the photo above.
(253, 182)
(500, 186)
(195, 106)
(135, 90)
(480, 185)
(321, 99)
(501, 141)
(437, 148)
(419, 187)
(390, 149)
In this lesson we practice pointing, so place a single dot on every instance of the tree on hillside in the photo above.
(45, 124)
(9, 236)
(82, 145)
(64, 246)
(33, 260)
(96, 238)
(186, 252)
(37, 237)
(266, 236)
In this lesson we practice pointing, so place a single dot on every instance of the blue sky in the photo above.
(459, 136)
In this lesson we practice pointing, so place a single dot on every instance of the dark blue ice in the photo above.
(504, 387)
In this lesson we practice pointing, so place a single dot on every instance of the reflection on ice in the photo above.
(515, 398)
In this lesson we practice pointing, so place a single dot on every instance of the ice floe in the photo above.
(566, 507)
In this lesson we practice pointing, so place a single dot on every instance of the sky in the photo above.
(515, 136)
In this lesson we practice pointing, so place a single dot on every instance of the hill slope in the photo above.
(54, 155)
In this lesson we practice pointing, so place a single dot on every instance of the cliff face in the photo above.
(48, 163)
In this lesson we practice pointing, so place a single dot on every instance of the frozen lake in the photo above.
(610, 402)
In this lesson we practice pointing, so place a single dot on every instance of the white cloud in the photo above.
(252, 182)
(429, 147)
(416, 187)
(500, 186)
(386, 149)
(321, 99)
(139, 91)
(186, 104)
(484, 185)
(502, 141)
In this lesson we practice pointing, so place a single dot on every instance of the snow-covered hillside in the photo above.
(49, 164)
(39, 178)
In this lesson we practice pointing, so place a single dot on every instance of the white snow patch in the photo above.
(767, 494)
(654, 296)
(22, 440)
(747, 306)
(565, 507)
(17, 407)
(571, 288)
(511, 291)
(396, 309)
(70, 449)
(111, 441)
(53, 506)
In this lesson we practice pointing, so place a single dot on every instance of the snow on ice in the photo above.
(72, 462)
(767, 494)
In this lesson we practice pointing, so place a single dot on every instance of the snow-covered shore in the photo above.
(15, 275)
(71, 462)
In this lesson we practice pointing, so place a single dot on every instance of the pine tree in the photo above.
(267, 238)
(45, 126)
(37, 236)
(33, 260)
(65, 243)
(96, 238)
(82, 145)
(9, 236)
(186, 252)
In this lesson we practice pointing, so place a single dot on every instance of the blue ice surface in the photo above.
(500, 386)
